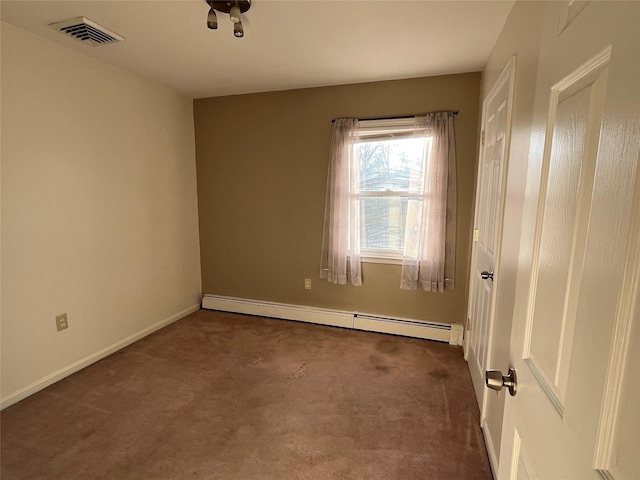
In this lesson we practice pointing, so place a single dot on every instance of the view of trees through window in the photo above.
(387, 169)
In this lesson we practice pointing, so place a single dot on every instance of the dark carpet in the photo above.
(225, 396)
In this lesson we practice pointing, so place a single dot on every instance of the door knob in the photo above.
(487, 275)
(495, 380)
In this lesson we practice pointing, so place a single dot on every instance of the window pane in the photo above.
(382, 221)
(386, 165)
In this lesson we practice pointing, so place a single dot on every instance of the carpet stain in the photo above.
(439, 373)
(386, 345)
(379, 364)
(374, 359)
(299, 372)
(383, 368)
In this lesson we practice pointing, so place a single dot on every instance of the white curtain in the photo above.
(340, 261)
(428, 259)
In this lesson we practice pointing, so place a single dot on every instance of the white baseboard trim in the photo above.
(284, 311)
(491, 449)
(52, 378)
(443, 332)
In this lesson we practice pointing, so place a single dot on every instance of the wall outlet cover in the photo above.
(62, 322)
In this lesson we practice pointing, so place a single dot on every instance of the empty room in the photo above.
(300, 239)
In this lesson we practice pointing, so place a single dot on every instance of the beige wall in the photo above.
(99, 209)
(262, 168)
(520, 37)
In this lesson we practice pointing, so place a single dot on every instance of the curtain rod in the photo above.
(400, 116)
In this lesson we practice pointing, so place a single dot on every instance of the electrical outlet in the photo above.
(307, 284)
(62, 322)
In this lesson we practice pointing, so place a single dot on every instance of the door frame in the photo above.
(507, 75)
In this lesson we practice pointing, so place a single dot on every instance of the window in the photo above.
(389, 158)
(391, 197)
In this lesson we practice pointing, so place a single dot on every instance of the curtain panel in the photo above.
(340, 262)
(428, 260)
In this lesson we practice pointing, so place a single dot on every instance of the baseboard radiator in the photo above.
(442, 332)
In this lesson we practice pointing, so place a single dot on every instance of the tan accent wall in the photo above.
(262, 169)
(99, 209)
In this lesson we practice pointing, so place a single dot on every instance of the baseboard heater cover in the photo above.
(442, 332)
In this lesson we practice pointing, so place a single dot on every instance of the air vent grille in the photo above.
(86, 31)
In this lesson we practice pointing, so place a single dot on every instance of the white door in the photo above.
(487, 226)
(575, 341)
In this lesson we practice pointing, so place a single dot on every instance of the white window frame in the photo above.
(380, 130)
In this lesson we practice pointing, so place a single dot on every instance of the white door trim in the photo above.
(507, 75)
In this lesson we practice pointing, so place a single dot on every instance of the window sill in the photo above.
(390, 261)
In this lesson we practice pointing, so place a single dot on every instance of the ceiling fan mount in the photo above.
(225, 7)
(234, 8)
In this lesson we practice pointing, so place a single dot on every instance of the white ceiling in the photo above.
(287, 43)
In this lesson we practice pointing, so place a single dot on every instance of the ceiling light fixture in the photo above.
(234, 8)
(238, 31)
(234, 14)
(212, 20)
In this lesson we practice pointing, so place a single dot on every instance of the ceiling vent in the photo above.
(86, 31)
